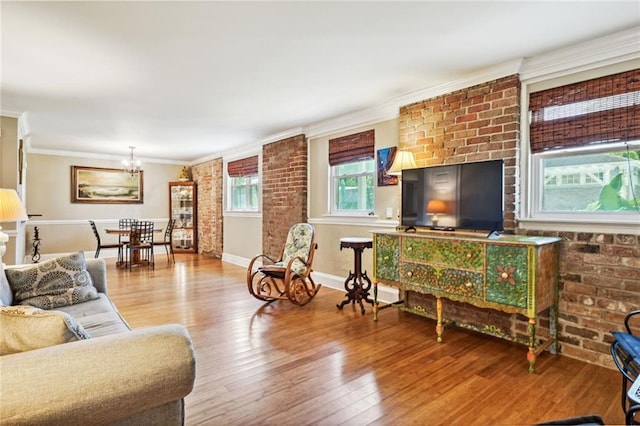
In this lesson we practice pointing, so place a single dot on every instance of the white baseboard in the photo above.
(236, 260)
(385, 294)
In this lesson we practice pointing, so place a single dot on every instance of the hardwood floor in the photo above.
(280, 364)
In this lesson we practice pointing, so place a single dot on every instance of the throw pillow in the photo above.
(25, 328)
(55, 283)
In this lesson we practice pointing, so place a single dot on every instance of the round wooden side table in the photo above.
(357, 283)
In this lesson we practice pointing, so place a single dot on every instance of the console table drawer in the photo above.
(387, 257)
(458, 254)
(442, 281)
(507, 275)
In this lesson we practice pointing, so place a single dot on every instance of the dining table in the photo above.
(127, 231)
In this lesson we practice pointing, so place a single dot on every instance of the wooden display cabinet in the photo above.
(183, 207)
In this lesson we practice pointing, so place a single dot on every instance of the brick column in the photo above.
(474, 124)
(284, 190)
(208, 177)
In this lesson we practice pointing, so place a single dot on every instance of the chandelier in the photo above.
(131, 165)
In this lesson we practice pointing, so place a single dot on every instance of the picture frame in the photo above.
(99, 185)
(384, 160)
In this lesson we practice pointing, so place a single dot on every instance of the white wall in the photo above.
(64, 225)
(329, 229)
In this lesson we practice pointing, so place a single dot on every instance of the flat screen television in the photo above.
(458, 196)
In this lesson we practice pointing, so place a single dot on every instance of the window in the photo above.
(353, 173)
(585, 144)
(589, 183)
(353, 186)
(243, 185)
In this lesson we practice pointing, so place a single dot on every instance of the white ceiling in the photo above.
(186, 80)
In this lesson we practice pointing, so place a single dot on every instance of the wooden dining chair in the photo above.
(166, 241)
(140, 246)
(100, 245)
(125, 225)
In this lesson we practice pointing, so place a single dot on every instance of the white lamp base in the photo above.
(3, 248)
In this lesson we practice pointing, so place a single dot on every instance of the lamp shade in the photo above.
(403, 160)
(11, 209)
(436, 207)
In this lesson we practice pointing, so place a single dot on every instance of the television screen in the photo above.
(458, 196)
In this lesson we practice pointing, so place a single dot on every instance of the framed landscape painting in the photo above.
(105, 186)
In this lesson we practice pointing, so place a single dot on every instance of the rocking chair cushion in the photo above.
(629, 343)
(276, 271)
(298, 244)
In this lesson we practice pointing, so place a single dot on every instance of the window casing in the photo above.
(594, 184)
(585, 151)
(352, 187)
(244, 194)
(243, 185)
(352, 173)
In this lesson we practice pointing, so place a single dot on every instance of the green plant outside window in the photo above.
(244, 193)
(353, 186)
(579, 181)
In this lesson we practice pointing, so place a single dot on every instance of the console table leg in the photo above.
(553, 332)
(375, 301)
(439, 321)
(531, 355)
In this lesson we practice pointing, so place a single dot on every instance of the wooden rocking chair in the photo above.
(290, 276)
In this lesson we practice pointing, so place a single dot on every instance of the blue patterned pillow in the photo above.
(52, 284)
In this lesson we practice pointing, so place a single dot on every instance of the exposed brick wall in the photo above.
(474, 124)
(284, 190)
(208, 177)
(599, 274)
(599, 284)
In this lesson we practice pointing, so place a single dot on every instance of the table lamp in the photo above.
(436, 207)
(403, 160)
(11, 210)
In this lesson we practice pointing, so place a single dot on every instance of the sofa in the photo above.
(78, 362)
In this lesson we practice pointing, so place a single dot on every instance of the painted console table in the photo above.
(511, 273)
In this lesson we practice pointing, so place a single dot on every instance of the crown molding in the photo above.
(478, 77)
(611, 49)
(243, 152)
(391, 109)
(24, 131)
(250, 148)
(10, 113)
(204, 159)
(359, 118)
(614, 48)
(94, 155)
(282, 135)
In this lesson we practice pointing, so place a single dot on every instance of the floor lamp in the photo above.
(11, 210)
